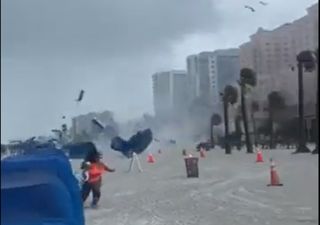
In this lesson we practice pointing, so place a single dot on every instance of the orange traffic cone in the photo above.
(202, 154)
(259, 156)
(274, 176)
(150, 158)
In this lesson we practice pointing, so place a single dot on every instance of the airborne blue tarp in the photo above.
(40, 189)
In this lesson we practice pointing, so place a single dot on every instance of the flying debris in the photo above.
(96, 122)
(263, 3)
(292, 67)
(32, 139)
(250, 8)
(136, 144)
(57, 132)
(64, 128)
(108, 130)
(80, 97)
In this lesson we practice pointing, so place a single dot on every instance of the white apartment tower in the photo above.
(225, 70)
(210, 72)
(198, 72)
(170, 93)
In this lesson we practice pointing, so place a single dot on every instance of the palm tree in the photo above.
(214, 121)
(316, 150)
(230, 96)
(238, 131)
(288, 130)
(276, 102)
(306, 60)
(247, 79)
(254, 109)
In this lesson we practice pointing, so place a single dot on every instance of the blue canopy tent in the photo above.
(40, 189)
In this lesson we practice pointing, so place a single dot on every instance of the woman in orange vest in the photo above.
(95, 170)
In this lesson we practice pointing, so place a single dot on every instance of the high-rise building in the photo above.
(210, 72)
(272, 55)
(192, 77)
(179, 92)
(224, 70)
(170, 93)
(198, 72)
(161, 94)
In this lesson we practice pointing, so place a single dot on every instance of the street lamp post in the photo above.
(305, 61)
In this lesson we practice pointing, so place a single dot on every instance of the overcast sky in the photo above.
(51, 49)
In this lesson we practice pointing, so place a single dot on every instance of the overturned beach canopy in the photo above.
(137, 143)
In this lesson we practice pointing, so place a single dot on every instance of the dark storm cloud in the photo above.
(99, 28)
(51, 49)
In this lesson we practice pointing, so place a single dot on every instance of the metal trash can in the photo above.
(192, 166)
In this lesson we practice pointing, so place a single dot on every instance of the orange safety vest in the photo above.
(95, 172)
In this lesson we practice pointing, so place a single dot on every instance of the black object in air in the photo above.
(96, 122)
(263, 3)
(80, 97)
(250, 8)
(109, 130)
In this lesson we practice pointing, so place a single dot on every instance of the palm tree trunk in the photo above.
(211, 133)
(271, 144)
(254, 130)
(316, 151)
(245, 121)
(302, 148)
(238, 132)
(226, 128)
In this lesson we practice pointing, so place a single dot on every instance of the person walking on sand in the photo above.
(95, 169)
